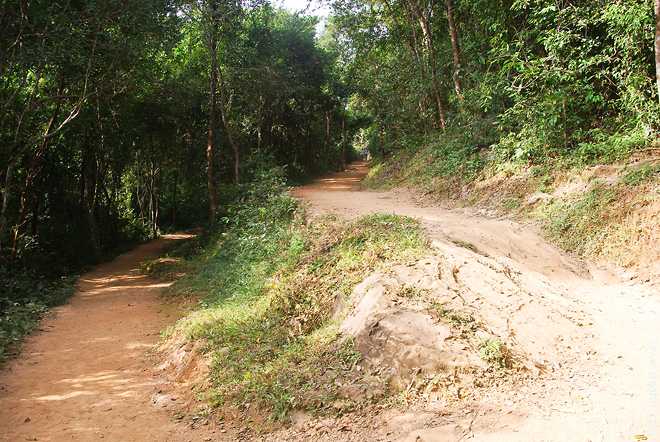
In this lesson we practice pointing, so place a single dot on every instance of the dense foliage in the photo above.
(121, 119)
(512, 80)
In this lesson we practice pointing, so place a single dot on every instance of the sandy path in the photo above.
(594, 332)
(85, 375)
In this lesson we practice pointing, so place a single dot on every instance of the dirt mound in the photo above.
(402, 339)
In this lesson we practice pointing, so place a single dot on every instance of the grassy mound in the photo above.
(268, 289)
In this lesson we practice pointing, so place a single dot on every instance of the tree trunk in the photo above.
(414, 45)
(4, 217)
(259, 121)
(210, 143)
(428, 38)
(225, 122)
(343, 137)
(455, 48)
(656, 9)
(32, 174)
(311, 148)
(174, 189)
(381, 144)
(327, 134)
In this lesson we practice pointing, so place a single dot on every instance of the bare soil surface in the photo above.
(585, 337)
(86, 374)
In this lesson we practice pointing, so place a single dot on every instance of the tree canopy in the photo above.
(122, 119)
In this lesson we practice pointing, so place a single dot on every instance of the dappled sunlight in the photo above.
(88, 368)
(118, 288)
(110, 279)
(179, 236)
(139, 345)
(63, 397)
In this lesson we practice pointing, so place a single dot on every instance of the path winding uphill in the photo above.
(590, 335)
(85, 376)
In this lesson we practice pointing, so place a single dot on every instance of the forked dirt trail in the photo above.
(588, 337)
(85, 376)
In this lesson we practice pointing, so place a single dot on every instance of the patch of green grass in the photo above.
(466, 245)
(268, 286)
(638, 175)
(463, 322)
(579, 224)
(494, 352)
(511, 203)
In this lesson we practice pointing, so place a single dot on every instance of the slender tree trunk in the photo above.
(311, 148)
(259, 121)
(343, 137)
(428, 38)
(210, 143)
(414, 45)
(174, 189)
(6, 195)
(455, 48)
(327, 133)
(380, 137)
(656, 9)
(225, 122)
(32, 174)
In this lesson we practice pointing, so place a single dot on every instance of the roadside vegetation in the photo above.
(25, 298)
(269, 288)
(603, 208)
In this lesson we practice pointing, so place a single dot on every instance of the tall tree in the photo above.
(456, 51)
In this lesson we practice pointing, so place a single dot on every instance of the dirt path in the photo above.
(589, 336)
(591, 333)
(85, 376)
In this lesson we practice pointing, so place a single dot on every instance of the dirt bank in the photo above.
(591, 333)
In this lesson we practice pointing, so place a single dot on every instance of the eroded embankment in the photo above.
(585, 335)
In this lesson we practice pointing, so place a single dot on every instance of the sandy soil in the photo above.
(86, 374)
(591, 333)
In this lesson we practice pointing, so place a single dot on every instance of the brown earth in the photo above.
(86, 374)
(586, 339)
(587, 336)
